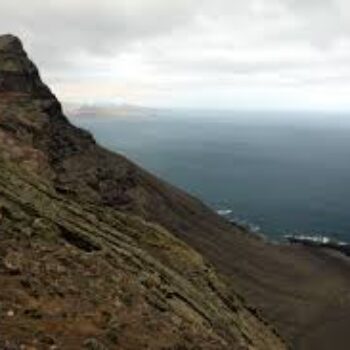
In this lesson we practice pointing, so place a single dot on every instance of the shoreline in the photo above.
(314, 241)
(319, 242)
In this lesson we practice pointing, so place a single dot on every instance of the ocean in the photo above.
(278, 173)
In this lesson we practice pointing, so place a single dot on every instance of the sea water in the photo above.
(277, 172)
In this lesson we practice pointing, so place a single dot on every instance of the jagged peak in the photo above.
(18, 74)
(11, 44)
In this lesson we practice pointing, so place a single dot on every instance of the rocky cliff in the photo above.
(90, 255)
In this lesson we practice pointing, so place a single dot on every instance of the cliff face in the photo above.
(18, 73)
(88, 255)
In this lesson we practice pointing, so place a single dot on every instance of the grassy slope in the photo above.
(76, 273)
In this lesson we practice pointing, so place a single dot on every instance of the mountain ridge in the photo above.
(67, 191)
(83, 263)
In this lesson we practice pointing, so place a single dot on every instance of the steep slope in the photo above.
(79, 166)
(302, 292)
(76, 272)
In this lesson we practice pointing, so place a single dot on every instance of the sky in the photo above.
(217, 54)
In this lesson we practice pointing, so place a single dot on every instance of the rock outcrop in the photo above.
(18, 73)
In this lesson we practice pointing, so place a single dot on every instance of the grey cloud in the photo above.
(323, 21)
(67, 37)
(56, 30)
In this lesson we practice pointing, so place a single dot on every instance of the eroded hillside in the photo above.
(93, 209)
(86, 256)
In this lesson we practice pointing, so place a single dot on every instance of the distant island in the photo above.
(109, 111)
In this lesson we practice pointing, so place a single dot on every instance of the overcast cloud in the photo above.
(190, 53)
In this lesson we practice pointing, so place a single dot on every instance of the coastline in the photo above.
(306, 240)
